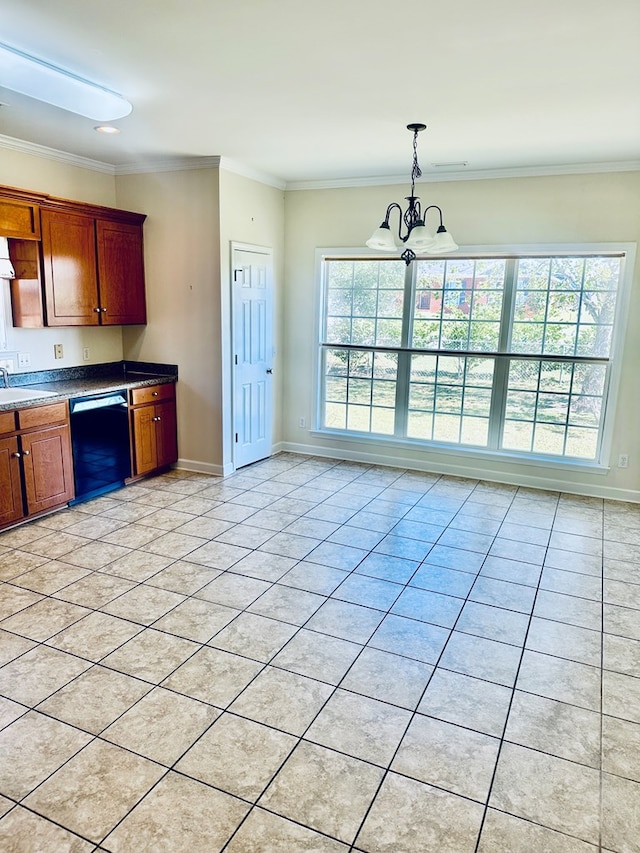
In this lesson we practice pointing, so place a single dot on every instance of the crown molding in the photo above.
(253, 174)
(177, 164)
(474, 175)
(171, 164)
(33, 148)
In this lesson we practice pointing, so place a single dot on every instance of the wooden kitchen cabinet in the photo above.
(47, 468)
(85, 266)
(11, 505)
(19, 218)
(93, 270)
(36, 471)
(70, 269)
(153, 428)
(120, 273)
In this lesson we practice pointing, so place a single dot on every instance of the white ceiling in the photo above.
(323, 91)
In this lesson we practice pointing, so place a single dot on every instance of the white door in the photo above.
(252, 355)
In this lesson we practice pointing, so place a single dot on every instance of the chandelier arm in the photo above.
(427, 209)
(392, 206)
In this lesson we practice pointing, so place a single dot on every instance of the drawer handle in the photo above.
(154, 393)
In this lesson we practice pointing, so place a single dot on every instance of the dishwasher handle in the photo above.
(99, 401)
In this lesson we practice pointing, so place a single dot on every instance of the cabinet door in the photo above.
(166, 437)
(120, 273)
(10, 484)
(145, 452)
(48, 472)
(70, 277)
(19, 219)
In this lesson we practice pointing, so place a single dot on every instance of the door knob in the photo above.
(269, 370)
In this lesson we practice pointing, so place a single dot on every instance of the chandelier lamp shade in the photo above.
(417, 238)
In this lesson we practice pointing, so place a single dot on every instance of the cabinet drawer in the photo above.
(42, 415)
(152, 394)
(7, 422)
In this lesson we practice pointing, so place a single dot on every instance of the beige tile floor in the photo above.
(321, 656)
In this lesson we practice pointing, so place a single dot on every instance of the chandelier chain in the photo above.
(416, 171)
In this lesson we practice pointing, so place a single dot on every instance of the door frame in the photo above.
(229, 456)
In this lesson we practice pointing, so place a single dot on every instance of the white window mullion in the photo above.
(502, 363)
(403, 377)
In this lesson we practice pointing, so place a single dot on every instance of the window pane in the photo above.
(368, 291)
(548, 439)
(517, 436)
(458, 304)
(366, 382)
(446, 386)
(475, 431)
(420, 425)
(582, 443)
(557, 398)
(558, 299)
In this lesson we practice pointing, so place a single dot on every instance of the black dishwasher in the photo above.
(100, 442)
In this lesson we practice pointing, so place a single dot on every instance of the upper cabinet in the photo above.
(87, 270)
(120, 272)
(19, 219)
(70, 277)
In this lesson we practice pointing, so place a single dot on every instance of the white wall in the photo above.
(182, 270)
(193, 215)
(30, 172)
(563, 209)
(252, 213)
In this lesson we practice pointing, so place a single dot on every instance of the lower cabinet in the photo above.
(11, 503)
(36, 471)
(153, 428)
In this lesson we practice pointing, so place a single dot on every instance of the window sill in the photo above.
(555, 462)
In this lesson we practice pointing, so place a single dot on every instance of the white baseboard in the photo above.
(466, 469)
(200, 467)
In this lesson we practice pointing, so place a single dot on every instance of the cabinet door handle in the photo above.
(104, 310)
(97, 310)
(156, 419)
(26, 453)
(16, 455)
(154, 393)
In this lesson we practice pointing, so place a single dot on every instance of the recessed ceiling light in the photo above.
(45, 82)
(106, 128)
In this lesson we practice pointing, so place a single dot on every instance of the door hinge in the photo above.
(236, 438)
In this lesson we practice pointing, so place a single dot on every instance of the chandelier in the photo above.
(417, 237)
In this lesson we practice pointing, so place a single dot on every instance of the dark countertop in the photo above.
(84, 381)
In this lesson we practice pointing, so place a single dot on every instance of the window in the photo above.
(509, 354)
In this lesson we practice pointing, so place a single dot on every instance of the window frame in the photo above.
(477, 252)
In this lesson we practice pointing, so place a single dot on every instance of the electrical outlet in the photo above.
(24, 359)
(623, 460)
(86, 355)
(58, 351)
(302, 423)
(7, 363)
